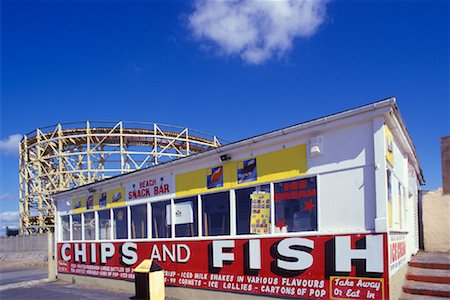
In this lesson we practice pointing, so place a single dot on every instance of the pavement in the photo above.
(32, 283)
(10, 276)
(57, 290)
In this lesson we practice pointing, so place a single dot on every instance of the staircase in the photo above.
(428, 277)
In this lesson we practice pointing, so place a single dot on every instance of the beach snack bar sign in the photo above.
(150, 187)
(317, 267)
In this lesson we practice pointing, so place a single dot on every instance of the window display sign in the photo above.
(260, 213)
(315, 267)
(150, 187)
(247, 171)
(296, 205)
(183, 213)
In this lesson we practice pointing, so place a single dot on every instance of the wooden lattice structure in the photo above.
(65, 156)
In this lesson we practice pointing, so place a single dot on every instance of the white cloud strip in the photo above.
(256, 30)
(10, 145)
(6, 197)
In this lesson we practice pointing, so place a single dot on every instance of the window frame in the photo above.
(232, 205)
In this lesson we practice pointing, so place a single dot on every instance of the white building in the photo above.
(323, 209)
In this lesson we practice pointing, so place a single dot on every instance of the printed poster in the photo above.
(214, 178)
(247, 171)
(102, 200)
(90, 202)
(110, 198)
(260, 216)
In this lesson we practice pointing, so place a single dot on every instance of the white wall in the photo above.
(346, 179)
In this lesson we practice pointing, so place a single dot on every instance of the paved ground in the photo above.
(32, 283)
(21, 275)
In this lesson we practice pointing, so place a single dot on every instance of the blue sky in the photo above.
(173, 62)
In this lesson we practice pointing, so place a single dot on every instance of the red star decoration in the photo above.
(309, 205)
(280, 223)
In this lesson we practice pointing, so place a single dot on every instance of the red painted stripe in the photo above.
(429, 265)
(424, 278)
(410, 290)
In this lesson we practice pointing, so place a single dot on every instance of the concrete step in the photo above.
(428, 275)
(427, 288)
(431, 260)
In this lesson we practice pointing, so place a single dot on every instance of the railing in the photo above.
(24, 243)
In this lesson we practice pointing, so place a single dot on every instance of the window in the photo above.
(186, 217)
(253, 210)
(296, 205)
(216, 214)
(65, 225)
(104, 224)
(89, 226)
(160, 223)
(389, 191)
(139, 221)
(120, 223)
(76, 225)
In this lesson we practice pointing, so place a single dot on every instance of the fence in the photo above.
(24, 243)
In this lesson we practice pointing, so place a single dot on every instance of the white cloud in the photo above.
(9, 218)
(10, 145)
(256, 30)
(6, 197)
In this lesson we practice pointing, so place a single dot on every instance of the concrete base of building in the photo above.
(112, 284)
(396, 282)
(173, 293)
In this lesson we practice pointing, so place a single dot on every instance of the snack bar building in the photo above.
(325, 209)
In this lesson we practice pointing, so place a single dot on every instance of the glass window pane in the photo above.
(216, 214)
(65, 224)
(76, 225)
(120, 223)
(139, 221)
(253, 210)
(160, 224)
(296, 205)
(104, 224)
(186, 217)
(89, 226)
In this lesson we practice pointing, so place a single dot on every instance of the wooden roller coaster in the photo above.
(64, 156)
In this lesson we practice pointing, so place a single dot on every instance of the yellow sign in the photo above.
(389, 146)
(277, 165)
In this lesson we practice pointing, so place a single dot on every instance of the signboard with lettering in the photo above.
(151, 187)
(397, 251)
(318, 267)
